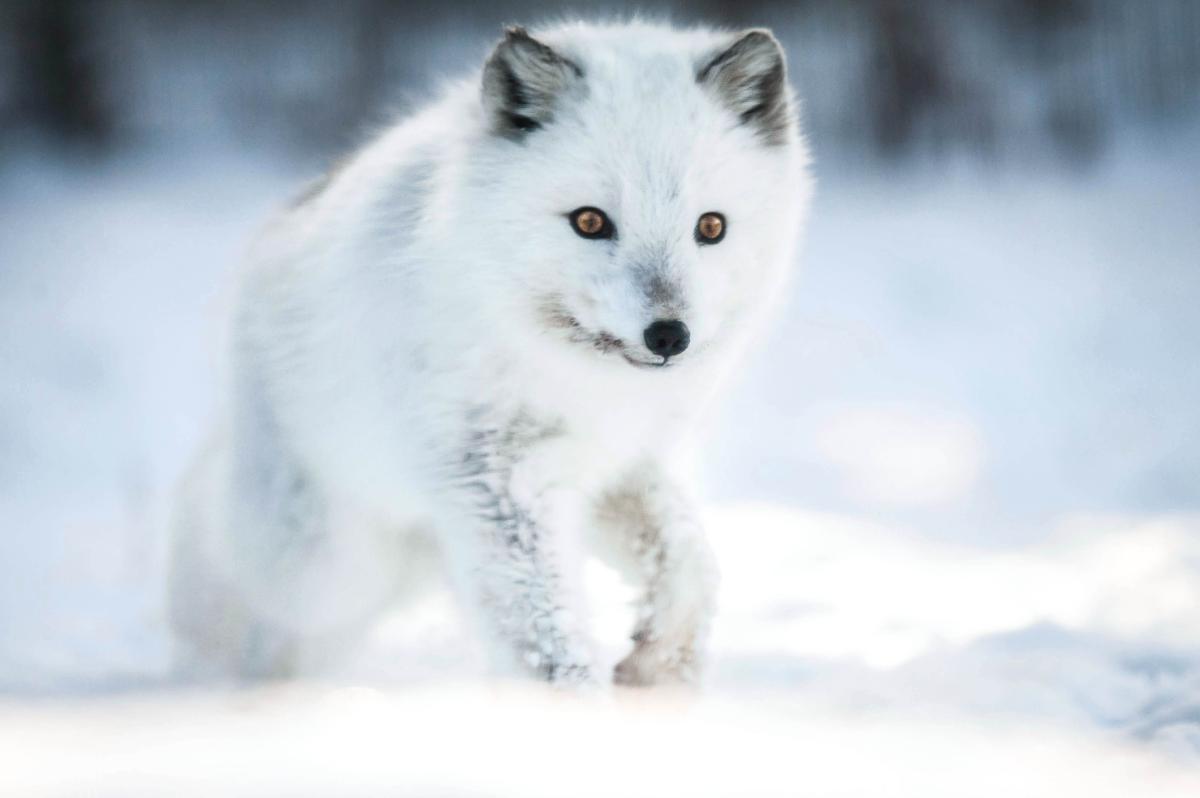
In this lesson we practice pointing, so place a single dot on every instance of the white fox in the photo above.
(481, 348)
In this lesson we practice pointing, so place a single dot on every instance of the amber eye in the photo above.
(710, 228)
(591, 223)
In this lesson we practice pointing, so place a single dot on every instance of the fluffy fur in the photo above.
(428, 364)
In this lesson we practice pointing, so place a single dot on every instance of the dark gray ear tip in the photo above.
(518, 41)
(516, 33)
(523, 81)
(749, 76)
(755, 50)
(759, 36)
(761, 42)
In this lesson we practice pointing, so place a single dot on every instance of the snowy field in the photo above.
(955, 498)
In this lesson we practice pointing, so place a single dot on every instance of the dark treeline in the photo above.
(881, 78)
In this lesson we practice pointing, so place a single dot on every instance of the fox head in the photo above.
(650, 183)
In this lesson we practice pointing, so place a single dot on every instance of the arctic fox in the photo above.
(480, 347)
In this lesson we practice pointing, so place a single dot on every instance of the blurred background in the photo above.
(963, 472)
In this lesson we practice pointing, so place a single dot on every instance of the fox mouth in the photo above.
(657, 363)
(559, 318)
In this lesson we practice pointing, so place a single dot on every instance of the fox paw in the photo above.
(654, 664)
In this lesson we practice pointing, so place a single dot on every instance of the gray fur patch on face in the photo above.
(661, 292)
(523, 82)
(555, 315)
(654, 273)
(750, 78)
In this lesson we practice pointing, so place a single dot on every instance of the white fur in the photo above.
(396, 389)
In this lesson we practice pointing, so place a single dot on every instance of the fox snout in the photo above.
(667, 338)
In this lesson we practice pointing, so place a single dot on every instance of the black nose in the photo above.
(667, 338)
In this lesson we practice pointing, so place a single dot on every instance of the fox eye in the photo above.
(710, 228)
(591, 223)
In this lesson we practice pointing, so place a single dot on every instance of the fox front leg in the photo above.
(519, 567)
(651, 531)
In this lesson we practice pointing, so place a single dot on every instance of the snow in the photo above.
(315, 741)
(954, 500)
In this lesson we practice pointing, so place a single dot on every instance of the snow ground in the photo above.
(954, 499)
(468, 742)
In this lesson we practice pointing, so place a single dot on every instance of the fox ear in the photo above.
(750, 78)
(522, 82)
